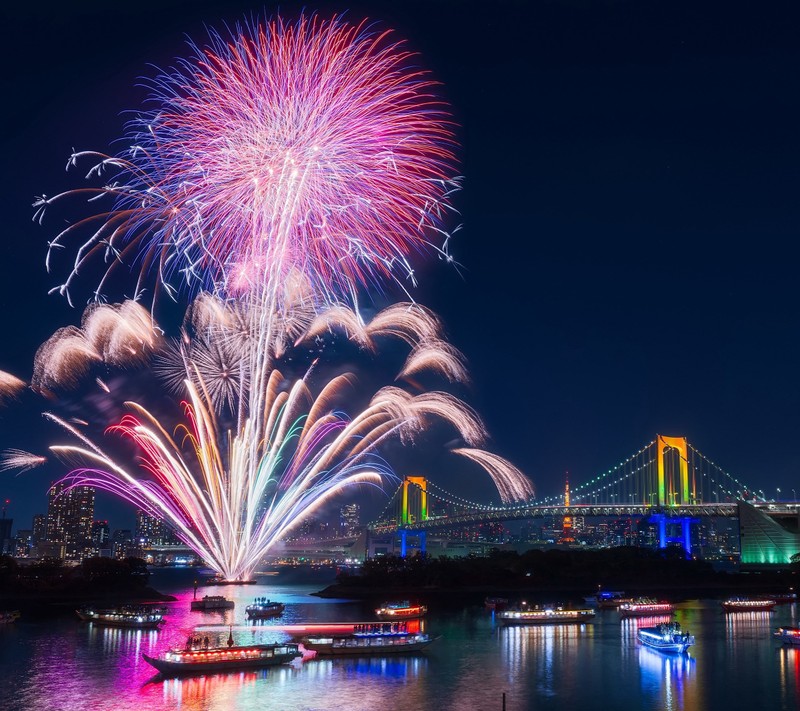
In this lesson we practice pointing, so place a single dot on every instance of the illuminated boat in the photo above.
(212, 602)
(180, 662)
(748, 604)
(788, 635)
(666, 638)
(645, 607)
(546, 615)
(135, 617)
(369, 639)
(400, 611)
(216, 580)
(9, 616)
(262, 607)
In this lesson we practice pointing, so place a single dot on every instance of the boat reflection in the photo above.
(217, 690)
(521, 644)
(671, 676)
(390, 666)
(747, 625)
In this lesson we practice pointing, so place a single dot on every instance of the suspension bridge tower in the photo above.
(673, 490)
(413, 510)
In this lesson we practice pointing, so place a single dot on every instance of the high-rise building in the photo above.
(70, 515)
(39, 529)
(101, 534)
(24, 543)
(150, 530)
(7, 544)
(350, 519)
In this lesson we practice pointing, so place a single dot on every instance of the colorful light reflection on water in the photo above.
(65, 664)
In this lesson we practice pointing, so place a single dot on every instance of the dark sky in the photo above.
(630, 212)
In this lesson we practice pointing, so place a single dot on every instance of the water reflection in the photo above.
(669, 677)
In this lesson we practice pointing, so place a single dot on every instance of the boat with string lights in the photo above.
(644, 607)
(748, 604)
(545, 615)
(262, 608)
(127, 616)
(403, 610)
(202, 660)
(668, 637)
(212, 602)
(788, 635)
(376, 638)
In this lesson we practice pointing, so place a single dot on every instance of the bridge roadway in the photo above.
(519, 513)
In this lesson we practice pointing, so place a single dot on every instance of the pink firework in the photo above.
(314, 147)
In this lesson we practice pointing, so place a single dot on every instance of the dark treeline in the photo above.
(629, 568)
(50, 583)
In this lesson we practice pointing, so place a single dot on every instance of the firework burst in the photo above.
(314, 148)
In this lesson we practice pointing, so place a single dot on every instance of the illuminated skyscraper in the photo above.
(70, 514)
(101, 534)
(350, 519)
(149, 529)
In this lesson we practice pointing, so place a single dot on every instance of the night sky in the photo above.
(629, 214)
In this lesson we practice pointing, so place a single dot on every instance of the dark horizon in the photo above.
(629, 214)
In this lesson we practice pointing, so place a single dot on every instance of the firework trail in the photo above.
(201, 480)
(10, 387)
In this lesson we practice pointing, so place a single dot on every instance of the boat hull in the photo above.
(127, 623)
(670, 648)
(374, 648)
(660, 612)
(556, 618)
(176, 668)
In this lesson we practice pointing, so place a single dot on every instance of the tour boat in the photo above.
(400, 611)
(645, 607)
(212, 602)
(666, 637)
(127, 616)
(217, 580)
(748, 604)
(9, 616)
(178, 662)
(262, 607)
(495, 603)
(788, 635)
(369, 639)
(546, 615)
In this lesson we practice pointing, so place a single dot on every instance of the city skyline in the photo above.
(606, 315)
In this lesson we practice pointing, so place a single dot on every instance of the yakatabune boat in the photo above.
(666, 637)
(546, 615)
(212, 602)
(179, 662)
(135, 617)
(369, 639)
(788, 635)
(644, 607)
(400, 611)
(748, 604)
(262, 607)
